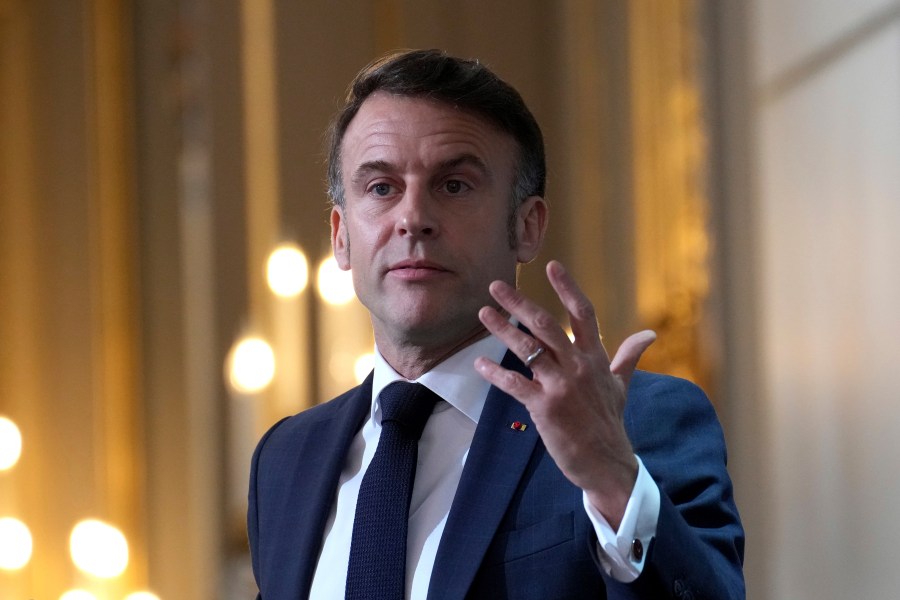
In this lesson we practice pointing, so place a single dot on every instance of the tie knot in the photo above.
(408, 405)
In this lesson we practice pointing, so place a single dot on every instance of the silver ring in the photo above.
(534, 356)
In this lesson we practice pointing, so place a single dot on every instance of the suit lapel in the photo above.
(324, 455)
(494, 467)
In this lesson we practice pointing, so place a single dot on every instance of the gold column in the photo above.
(113, 260)
(585, 170)
(282, 321)
(20, 381)
(260, 150)
(670, 204)
(68, 293)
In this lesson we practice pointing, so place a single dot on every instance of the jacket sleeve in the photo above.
(698, 549)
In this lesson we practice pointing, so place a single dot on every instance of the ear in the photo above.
(531, 225)
(340, 241)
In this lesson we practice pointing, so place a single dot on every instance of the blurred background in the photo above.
(725, 172)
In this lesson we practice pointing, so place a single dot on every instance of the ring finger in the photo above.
(523, 345)
(540, 323)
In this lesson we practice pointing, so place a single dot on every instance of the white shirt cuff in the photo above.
(622, 553)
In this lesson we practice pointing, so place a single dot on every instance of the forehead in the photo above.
(421, 131)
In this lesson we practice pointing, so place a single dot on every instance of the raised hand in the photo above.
(577, 395)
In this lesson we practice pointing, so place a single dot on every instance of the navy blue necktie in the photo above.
(377, 569)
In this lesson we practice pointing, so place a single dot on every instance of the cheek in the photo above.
(490, 232)
(364, 239)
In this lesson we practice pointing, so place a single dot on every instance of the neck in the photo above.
(412, 360)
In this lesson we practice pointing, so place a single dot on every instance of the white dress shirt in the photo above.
(442, 454)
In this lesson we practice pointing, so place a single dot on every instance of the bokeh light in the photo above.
(15, 544)
(287, 271)
(141, 596)
(78, 595)
(10, 444)
(363, 365)
(335, 286)
(98, 549)
(251, 365)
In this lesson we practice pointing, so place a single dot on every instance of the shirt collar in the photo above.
(454, 380)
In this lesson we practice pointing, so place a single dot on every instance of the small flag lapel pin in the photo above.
(518, 426)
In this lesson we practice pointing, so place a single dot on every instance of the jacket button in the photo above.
(637, 550)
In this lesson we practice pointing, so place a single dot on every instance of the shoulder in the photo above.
(653, 398)
(344, 409)
(322, 412)
(645, 385)
(668, 418)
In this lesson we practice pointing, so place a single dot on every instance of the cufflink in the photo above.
(637, 550)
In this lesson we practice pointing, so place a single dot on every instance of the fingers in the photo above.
(626, 359)
(518, 341)
(514, 384)
(582, 317)
(542, 324)
(547, 332)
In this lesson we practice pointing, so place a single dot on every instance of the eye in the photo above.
(381, 189)
(455, 186)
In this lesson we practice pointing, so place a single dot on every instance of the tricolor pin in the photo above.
(518, 426)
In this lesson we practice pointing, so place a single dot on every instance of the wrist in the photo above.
(611, 494)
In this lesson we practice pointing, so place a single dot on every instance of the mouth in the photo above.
(416, 270)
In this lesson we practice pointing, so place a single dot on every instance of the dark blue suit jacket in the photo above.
(517, 527)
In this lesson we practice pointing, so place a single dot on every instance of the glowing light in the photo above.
(78, 595)
(287, 271)
(10, 444)
(252, 365)
(15, 544)
(98, 549)
(141, 596)
(571, 335)
(335, 286)
(362, 366)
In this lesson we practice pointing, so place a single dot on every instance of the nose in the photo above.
(417, 214)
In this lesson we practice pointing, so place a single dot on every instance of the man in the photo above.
(546, 470)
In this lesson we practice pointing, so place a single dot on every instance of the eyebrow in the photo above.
(466, 159)
(371, 166)
(386, 167)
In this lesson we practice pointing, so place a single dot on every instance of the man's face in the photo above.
(424, 226)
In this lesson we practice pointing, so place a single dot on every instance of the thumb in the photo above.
(626, 359)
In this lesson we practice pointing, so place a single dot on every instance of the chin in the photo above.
(428, 331)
